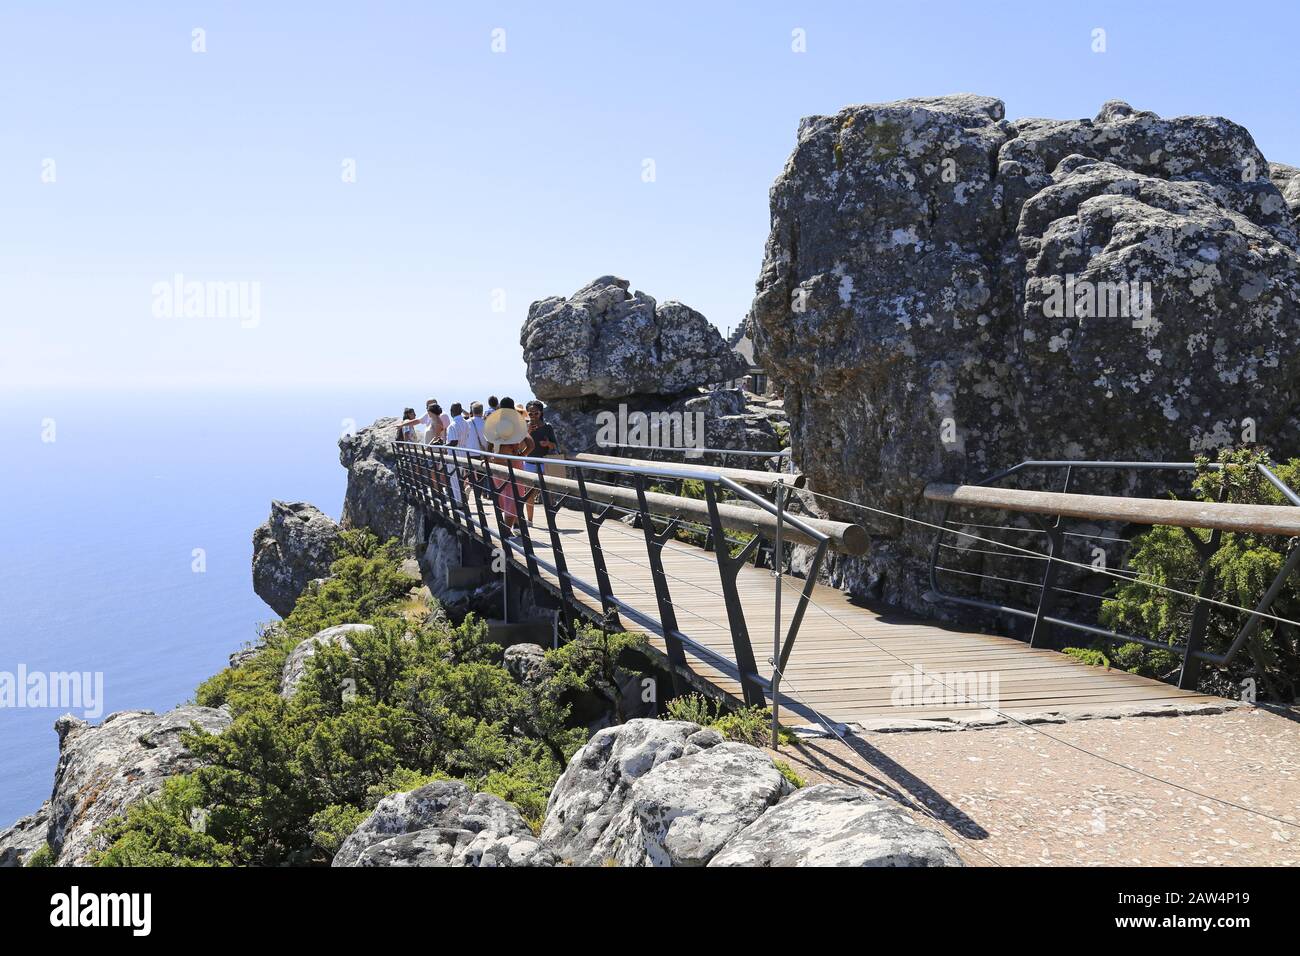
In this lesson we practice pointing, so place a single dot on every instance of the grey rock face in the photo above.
(441, 554)
(24, 838)
(295, 665)
(1287, 180)
(373, 499)
(443, 824)
(730, 419)
(294, 546)
(825, 825)
(1225, 316)
(105, 768)
(593, 789)
(668, 793)
(607, 342)
(905, 307)
(527, 663)
(684, 811)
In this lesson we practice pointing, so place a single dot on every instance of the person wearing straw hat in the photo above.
(507, 431)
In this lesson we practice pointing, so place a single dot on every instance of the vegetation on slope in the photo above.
(411, 701)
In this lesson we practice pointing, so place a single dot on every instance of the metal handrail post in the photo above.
(654, 544)
(728, 568)
(777, 565)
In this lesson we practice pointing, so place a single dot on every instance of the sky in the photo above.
(389, 185)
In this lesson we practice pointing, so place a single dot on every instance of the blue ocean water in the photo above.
(99, 536)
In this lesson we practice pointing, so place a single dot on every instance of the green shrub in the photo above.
(43, 856)
(695, 708)
(1087, 655)
(750, 725)
(747, 725)
(401, 705)
(787, 771)
(167, 829)
(1243, 569)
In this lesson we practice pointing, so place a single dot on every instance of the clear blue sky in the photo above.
(519, 171)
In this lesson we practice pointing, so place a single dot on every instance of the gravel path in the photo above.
(1018, 797)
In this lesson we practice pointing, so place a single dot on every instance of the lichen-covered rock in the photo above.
(527, 663)
(443, 824)
(594, 787)
(1218, 345)
(373, 498)
(103, 769)
(1287, 180)
(607, 342)
(826, 825)
(293, 547)
(441, 554)
(25, 837)
(295, 665)
(911, 303)
(684, 811)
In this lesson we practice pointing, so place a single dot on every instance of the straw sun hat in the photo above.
(505, 426)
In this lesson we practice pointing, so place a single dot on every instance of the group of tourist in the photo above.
(505, 431)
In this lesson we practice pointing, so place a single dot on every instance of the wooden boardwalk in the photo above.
(848, 659)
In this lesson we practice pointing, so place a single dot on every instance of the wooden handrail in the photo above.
(743, 476)
(845, 538)
(1256, 519)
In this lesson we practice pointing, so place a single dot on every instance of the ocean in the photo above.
(127, 542)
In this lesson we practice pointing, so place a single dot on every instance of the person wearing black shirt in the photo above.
(543, 436)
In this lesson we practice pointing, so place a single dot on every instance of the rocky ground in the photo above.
(1014, 796)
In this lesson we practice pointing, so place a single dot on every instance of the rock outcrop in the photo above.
(25, 837)
(295, 665)
(595, 786)
(607, 356)
(684, 811)
(1287, 179)
(294, 546)
(527, 663)
(826, 825)
(105, 768)
(374, 499)
(669, 793)
(443, 824)
(945, 293)
(606, 342)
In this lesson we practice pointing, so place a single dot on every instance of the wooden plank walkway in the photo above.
(848, 659)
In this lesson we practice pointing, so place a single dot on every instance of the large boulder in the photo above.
(657, 793)
(374, 498)
(105, 768)
(443, 824)
(294, 546)
(684, 811)
(594, 787)
(1287, 180)
(527, 663)
(25, 837)
(607, 342)
(295, 665)
(826, 825)
(909, 304)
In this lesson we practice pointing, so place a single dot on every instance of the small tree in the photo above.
(1243, 569)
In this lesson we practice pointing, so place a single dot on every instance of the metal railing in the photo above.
(467, 490)
(1043, 616)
